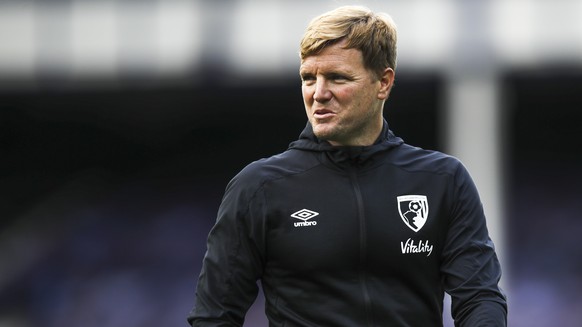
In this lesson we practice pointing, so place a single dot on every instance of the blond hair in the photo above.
(372, 33)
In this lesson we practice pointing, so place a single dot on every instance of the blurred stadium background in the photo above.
(122, 121)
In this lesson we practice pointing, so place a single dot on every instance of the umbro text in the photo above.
(411, 247)
(305, 223)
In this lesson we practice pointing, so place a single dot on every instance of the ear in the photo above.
(386, 83)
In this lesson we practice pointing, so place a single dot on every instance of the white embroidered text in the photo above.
(411, 247)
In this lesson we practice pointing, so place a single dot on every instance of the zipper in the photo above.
(363, 247)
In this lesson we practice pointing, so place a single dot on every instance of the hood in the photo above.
(356, 154)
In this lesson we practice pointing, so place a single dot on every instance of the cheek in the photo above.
(307, 94)
(356, 102)
(345, 96)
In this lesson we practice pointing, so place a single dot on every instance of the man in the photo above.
(350, 226)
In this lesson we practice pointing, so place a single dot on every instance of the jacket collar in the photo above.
(351, 155)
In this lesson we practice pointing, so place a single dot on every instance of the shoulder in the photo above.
(282, 165)
(415, 159)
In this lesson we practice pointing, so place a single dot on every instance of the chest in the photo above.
(384, 219)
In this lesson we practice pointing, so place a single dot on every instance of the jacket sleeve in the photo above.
(227, 285)
(470, 266)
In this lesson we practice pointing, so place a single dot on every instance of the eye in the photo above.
(307, 78)
(338, 78)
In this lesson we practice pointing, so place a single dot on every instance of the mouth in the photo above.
(323, 114)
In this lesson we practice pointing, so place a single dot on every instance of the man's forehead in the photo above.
(334, 57)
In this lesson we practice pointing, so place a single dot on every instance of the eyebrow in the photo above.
(327, 72)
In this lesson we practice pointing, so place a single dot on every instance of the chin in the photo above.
(323, 133)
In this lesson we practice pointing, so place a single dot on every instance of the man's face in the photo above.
(343, 99)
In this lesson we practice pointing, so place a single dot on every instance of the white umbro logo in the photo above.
(305, 215)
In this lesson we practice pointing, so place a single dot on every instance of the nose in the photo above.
(322, 93)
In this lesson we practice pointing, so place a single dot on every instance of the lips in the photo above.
(323, 113)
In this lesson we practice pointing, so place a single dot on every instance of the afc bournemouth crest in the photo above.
(413, 210)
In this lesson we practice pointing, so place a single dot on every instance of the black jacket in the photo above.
(351, 236)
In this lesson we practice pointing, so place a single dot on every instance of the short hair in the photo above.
(372, 33)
